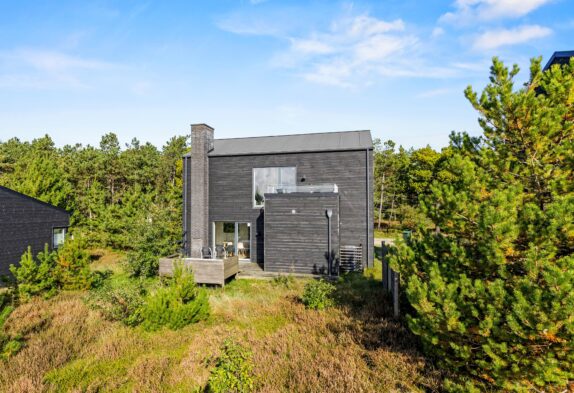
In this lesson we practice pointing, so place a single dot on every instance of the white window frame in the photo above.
(65, 232)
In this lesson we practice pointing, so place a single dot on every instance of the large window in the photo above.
(266, 180)
(58, 237)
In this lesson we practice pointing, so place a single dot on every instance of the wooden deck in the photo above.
(205, 271)
(252, 270)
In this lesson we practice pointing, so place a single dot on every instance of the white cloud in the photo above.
(468, 11)
(52, 61)
(311, 46)
(437, 32)
(43, 69)
(434, 93)
(503, 37)
(351, 51)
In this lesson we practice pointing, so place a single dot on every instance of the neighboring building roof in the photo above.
(562, 57)
(2, 188)
(296, 143)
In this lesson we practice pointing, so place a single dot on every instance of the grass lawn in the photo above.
(353, 347)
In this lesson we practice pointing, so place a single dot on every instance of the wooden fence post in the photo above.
(396, 310)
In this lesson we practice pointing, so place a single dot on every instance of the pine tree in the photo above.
(73, 266)
(492, 286)
(35, 277)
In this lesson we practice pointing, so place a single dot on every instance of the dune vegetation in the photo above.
(353, 346)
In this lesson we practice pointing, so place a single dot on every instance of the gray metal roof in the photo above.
(296, 143)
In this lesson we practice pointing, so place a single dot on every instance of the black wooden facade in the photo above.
(297, 232)
(25, 221)
(291, 242)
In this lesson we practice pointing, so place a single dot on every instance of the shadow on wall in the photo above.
(259, 236)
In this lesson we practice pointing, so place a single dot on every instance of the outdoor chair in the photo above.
(241, 249)
(206, 253)
(220, 251)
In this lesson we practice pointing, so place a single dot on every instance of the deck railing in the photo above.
(307, 188)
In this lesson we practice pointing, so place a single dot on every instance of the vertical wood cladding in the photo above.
(231, 182)
(296, 232)
(25, 222)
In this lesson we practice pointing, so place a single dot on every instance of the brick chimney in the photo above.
(198, 209)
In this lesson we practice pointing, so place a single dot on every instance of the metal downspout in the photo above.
(368, 246)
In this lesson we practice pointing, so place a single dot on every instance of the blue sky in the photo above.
(148, 69)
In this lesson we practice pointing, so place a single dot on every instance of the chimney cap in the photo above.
(202, 125)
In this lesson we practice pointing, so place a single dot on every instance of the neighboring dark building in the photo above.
(266, 199)
(25, 221)
(562, 57)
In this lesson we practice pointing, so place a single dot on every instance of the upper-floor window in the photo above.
(267, 180)
(58, 237)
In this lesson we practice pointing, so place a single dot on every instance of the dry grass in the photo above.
(103, 259)
(353, 347)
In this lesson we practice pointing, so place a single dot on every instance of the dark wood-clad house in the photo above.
(291, 203)
(24, 222)
(559, 57)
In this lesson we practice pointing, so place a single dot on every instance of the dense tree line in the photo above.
(403, 176)
(119, 197)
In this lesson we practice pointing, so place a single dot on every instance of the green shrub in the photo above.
(177, 304)
(150, 237)
(142, 263)
(317, 294)
(35, 277)
(5, 309)
(284, 281)
(11, 348)
(411, 218)
(233, 371)
(123, 303)
(8, 345)
(100, 276)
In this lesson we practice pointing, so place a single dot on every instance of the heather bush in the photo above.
(177, 304)
(284, 281)
(233, 371)
(122, 303)
(317, 294)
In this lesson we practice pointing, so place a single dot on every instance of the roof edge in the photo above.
(299, 134)
(267, 153)
(35, 200)
(558, 54)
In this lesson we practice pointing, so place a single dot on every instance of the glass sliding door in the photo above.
(244, 240)
(232, 238)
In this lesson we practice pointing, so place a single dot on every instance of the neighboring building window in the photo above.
(58, 237)
(269, 179)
